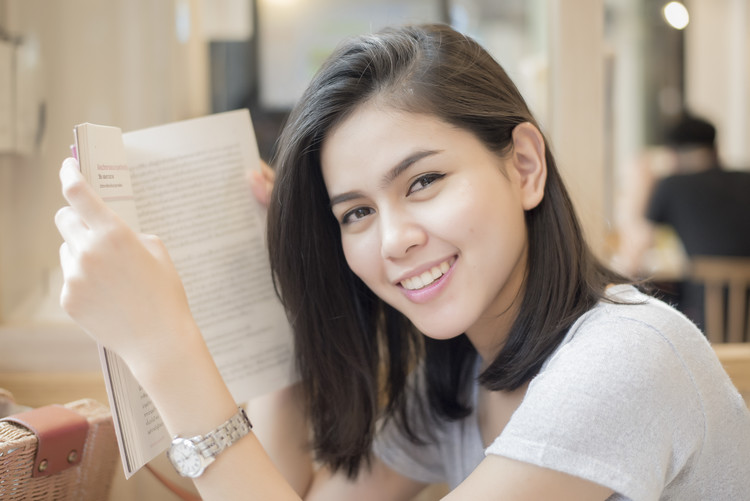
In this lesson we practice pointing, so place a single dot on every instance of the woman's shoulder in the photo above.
(636, 384)
(630, 333)
(639, 344)
(628, 314)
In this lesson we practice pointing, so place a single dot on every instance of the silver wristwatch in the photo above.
(191, 456)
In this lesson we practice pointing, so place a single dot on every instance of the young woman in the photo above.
(451, 324)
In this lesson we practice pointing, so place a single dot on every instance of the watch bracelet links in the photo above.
(225, 435)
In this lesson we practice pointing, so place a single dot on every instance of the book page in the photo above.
(140, 431)
(190, 189)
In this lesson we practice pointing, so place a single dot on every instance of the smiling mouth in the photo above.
(426, 278)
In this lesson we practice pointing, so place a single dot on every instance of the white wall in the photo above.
(117, 62)
(718, 73)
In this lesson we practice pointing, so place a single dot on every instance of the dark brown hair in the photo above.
(351, 348)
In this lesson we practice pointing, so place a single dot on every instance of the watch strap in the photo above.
(226, 434)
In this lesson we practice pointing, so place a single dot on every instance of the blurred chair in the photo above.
(735, 357)
(726, 281)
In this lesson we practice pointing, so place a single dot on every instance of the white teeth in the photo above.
(426, 278)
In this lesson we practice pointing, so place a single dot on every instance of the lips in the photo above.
(426, 278)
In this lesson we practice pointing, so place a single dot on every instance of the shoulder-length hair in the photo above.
(353, 351)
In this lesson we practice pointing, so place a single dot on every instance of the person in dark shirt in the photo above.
(707, 206)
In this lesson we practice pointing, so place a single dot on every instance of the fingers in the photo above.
(68, 265)
(89, 206)
(261, 183)
(259, 188)
(70, 226)
(155, 246)
(66, 259)
(268, 172)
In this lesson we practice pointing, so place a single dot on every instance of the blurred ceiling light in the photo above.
(676, 15)
(182, 21)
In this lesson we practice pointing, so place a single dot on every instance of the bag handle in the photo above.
(61, 436)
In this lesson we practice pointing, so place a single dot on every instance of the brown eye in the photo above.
(356, 214)
(424, 181)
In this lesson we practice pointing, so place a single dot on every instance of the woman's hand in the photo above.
(120, 286)
(123, 289)
(261, 183)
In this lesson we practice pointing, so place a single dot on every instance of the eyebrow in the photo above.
(389, 176)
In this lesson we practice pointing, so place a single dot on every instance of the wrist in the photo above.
(191, 456)
(167, 350)
(182, 380)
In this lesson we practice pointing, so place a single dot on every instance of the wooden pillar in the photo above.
(576, 109)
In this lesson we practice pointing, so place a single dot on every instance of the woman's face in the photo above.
(431, 220)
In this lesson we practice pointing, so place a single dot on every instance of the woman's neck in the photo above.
(490, 332)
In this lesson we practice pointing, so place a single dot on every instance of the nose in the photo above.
(399, 234)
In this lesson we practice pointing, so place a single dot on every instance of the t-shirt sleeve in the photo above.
(615, 405)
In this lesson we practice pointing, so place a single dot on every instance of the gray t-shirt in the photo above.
(634, 399)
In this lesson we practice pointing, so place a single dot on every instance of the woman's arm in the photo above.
(283, 431)
(281, 426)
(122, 288)
(498, 477)
(378, 483)
(192, 398)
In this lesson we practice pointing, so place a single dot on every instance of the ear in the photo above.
(528, 158)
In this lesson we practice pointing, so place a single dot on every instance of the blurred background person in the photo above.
(706, 206)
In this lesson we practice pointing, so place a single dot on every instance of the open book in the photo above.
(186, 183)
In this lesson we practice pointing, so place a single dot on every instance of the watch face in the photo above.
(186, 458)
